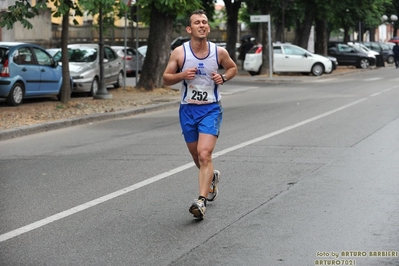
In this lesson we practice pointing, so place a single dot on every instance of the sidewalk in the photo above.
(155, 103)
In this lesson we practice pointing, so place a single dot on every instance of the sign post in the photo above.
(263, 19)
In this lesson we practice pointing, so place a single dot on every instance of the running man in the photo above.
(195, 64)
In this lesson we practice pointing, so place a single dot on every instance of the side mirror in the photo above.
(54, 63)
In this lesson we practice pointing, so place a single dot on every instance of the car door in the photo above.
(50, 73)
(349, 54)
(28, 69)
(296, 59)
(278, 59)
(112, 66)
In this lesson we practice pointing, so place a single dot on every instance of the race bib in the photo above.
(200, 94)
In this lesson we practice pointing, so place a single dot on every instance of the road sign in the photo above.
(260, 18)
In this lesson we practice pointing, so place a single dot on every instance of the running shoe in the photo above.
(213, 190)
(198, 208)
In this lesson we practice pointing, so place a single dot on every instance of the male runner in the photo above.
(195, 64)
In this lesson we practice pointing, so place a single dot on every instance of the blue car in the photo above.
(27, 71)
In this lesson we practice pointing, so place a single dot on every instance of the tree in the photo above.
(232, 8)
(160, 15)
(106, 10)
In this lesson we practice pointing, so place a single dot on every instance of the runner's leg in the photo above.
(206, 144)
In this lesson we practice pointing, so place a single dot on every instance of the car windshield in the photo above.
(79, 55)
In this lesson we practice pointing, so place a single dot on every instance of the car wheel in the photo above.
(364, 63)
(252, 73)
(119, 81)
(390, 59)
(16, 94)
(94, 87)
(317, 69)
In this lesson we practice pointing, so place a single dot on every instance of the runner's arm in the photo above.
(171, 75)
(227, 63)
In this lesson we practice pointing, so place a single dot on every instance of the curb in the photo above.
(59, 124)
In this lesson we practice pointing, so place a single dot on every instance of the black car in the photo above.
(350, 56)
(178, 41)
(383, 49)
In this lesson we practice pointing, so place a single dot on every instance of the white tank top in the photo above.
(202, 89)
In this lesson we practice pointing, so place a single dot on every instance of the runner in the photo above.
(196, 64)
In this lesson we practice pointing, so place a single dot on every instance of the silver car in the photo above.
(132, 57)
(84, 67)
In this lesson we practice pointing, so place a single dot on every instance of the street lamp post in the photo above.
(392, 19)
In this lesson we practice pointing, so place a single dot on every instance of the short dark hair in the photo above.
(196, 12)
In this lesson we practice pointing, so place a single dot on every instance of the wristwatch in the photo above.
(223, 77)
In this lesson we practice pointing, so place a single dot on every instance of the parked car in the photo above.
(362, 47)
(178, 41)
(27, 71)
(133, 59)
(53, 51)
(288, 58)
(85, 68)
(383, 48)
(334, 62)
(348, 55)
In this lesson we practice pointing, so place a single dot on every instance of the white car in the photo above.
(84, 67)
(288, 58)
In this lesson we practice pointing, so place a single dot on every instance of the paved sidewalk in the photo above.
(243, 75)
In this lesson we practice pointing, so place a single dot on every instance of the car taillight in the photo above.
(259, 50)
(5, 71)
(128, 57)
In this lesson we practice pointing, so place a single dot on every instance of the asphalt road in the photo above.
(309, 177)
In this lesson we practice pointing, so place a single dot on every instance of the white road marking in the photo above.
(372, 79)
(84, 206)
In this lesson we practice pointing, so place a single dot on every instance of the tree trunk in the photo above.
(232, 26)
(159, 40)
(321, 36)
(372, 34)
(302, 31)
(66, 84)
(264, 40)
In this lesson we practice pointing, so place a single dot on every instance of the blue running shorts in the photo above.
(201, 118)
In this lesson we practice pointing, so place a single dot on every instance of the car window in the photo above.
(277, 50)
(110, 54)
(3, 54)
(23, 56)
(375, 47)
(82, 55)
(293, 50)
(253, 50)
(131, 52)
(344, 48)
(42, 57)
(385, 46)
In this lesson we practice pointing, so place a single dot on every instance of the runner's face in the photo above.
(199, 26)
